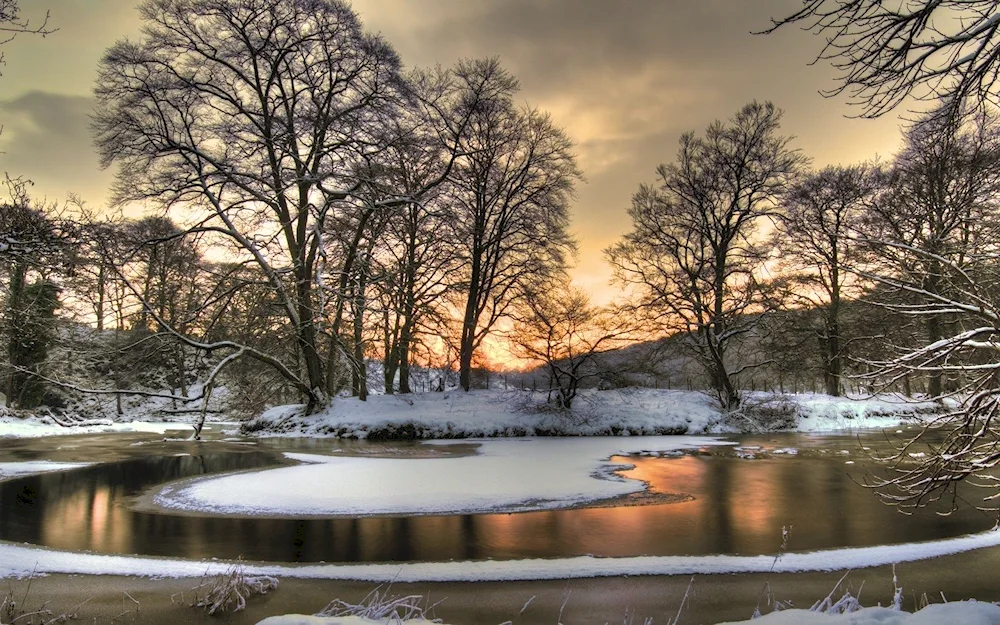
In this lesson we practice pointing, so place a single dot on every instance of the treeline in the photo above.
(320, 203)
(757, 262)
(317, 205)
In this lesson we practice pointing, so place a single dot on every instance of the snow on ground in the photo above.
(823, 413)
(635, 411)
(20, 560)
(14, 469)
(964, 612)
(503, 476)
(302, 619)
(36, 427)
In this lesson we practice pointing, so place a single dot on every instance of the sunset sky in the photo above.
(624, 79)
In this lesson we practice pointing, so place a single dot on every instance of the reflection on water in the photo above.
(739, 506)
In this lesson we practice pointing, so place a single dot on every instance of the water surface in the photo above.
(737, 505)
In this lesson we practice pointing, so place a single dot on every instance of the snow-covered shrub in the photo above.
(230, 590)
(764, 413)
(379, 605)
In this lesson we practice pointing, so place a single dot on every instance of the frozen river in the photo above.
(700, 500)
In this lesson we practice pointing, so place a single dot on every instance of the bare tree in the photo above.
(512, 190)
(939, 202)
(696, 251)
(962, 444)
(934, 233)
(935, 50)
(418, 259)
(819, 218)
(558, 327)
(256, 117)
(12, 24)
(946, 51)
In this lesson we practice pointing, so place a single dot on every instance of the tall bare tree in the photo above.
(256, 117)
(938, 207)
(819, 219)
(696, 250)
(512, 190)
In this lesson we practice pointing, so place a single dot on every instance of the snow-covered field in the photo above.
(633, 411)
(503, 476)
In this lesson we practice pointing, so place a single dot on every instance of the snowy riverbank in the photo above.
(632, 411)
(490, 414)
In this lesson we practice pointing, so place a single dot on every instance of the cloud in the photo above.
(46, 139)
(624, 78)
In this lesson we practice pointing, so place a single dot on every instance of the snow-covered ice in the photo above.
(13, 469)
(20, 560)
(504, 475)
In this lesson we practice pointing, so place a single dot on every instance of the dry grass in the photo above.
(379, 605)
(229, 591)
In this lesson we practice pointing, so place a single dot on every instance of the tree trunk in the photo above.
(465, 363)
(15, 321)
(834, 362)
(99, 309)
(306, 341)
(934, 386)
(406, 331)
(404, 362)
(360, 378)
(360, 367)
(471, 317)
(389, 367)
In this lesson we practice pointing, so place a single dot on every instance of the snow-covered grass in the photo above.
(503, 476)
(633, 411)
(230, 590)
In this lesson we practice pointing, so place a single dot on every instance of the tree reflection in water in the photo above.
(738, 506)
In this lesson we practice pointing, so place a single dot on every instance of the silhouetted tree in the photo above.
(819, 220)
(695, 253)
(512, 191)
(936, 50)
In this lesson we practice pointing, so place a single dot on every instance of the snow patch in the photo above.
(36, 427)
(969, 612)
(21, 561)
(15, 469)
